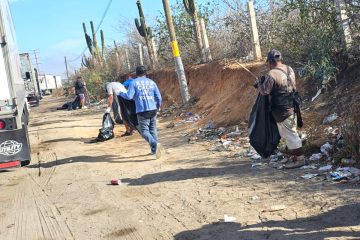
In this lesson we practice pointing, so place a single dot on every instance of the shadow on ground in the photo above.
(92, 159)
(320, 227)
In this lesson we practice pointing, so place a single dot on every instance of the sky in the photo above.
(54, 27)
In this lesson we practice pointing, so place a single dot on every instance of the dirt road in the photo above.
(184, 195)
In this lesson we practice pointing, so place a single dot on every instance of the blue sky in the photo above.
(54, 27)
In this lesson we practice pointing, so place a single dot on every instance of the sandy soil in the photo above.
(184, 195)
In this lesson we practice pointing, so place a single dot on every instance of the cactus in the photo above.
(102, 44)
(93, 45)
(190, 7)
(146, 33)
(87, 62)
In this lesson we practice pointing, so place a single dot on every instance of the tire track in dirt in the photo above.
(32, 215)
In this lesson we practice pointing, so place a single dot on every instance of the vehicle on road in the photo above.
(14, 115)
(32, 86)
(48, 83)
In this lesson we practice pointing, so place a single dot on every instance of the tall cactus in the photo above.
(190, 7)
(146, 33)
(92, 43)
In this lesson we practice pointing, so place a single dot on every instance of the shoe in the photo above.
(159, 150)
(126, 134)
(84, 107)
(295, 162)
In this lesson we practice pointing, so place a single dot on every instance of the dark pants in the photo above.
(117, 111)
(147, 129)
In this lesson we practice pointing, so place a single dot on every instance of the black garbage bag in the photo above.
(263, 131)
(128, 112)
(70, 105)
(106, 132)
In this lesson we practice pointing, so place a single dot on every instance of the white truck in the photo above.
(14, 139)
(48, 83)
(28, 74)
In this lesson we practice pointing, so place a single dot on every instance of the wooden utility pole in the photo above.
(254, 31)
(176, 54)
(205, 40)
(66, 66)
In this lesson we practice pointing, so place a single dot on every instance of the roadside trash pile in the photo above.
(235, 141)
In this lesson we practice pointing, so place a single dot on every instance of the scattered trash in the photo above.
(277, 157)
(257, 164)
(339, 175)
(309, 175)
(226, 143)
(326, 148)
(330, 118)
(209, 125)
(115, 182)
(316, 95)
(228, 218)
(255, 198)
(354, 171)
(325, 168)
(347, 161)
(309, 167)
(315, 157)
(255, 156)
(275, 208)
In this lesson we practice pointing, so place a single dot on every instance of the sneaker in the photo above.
(84, 107)
(159, 150)
(295, 162)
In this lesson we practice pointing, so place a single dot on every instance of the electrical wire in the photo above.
(97, 29)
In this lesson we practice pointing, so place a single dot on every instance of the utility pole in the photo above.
(35, 52)
(37, 83)
(127, 59)
(141, 54)
(254, 31)
(176, 54)
(66, 66)
(205, 40)
(344, 21)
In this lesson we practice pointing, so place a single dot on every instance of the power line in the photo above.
(97, 29)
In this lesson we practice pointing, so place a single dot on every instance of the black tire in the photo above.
(25, 163)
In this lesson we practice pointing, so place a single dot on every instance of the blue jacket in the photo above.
(145, 93)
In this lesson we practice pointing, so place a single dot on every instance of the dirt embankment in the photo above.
(224, 90)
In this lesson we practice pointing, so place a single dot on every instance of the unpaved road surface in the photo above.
(184, 195)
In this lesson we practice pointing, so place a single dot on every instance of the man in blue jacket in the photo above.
(147, 97)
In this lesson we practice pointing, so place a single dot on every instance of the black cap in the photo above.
(274, 55)
(140, 70)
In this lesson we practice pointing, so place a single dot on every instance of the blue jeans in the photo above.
(147, 129)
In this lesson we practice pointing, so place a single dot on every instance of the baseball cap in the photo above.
(140, 70)
(274, 55)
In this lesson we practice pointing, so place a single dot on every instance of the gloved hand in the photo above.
(108, 110)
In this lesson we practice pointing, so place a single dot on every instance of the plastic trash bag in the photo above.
(106, 132)
(263, 131)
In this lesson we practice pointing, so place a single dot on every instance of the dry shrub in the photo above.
(350, 130)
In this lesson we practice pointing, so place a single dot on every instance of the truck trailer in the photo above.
(48, 83)
(14, 115)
